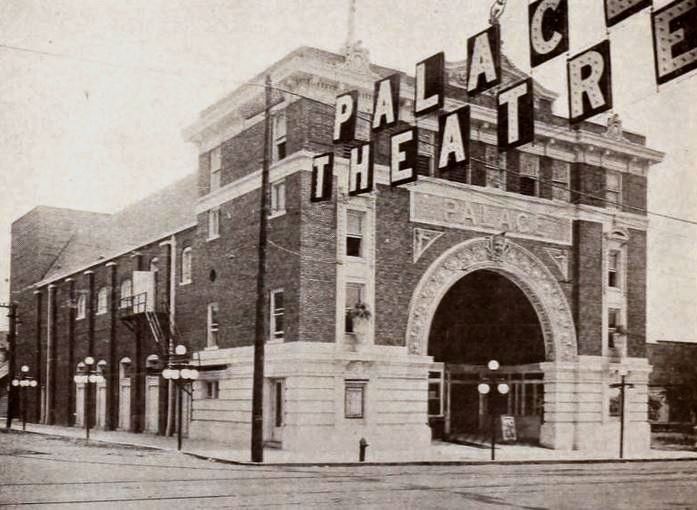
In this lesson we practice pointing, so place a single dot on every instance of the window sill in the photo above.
(188, 282)
(101, 313)
(80, 317)
(355, 258)
(276, 214)
(211, 348)
(213, 238)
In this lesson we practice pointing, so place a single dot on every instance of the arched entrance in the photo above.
(489, 298)
(482, 317)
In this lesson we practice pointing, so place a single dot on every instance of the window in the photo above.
(435, 393)
(153, 265)
(102, 300)
(354, 399)
(279, 136)
(215, 168)
(495, 167)
(278, 404)
(613, 189)
(614, 402)
(425, 158)
(529, 172)
(354, 295)
(613, 268)
(212, 321)
(278, 198)
(561, 181)
(613, 321)
(354, 233)
(212, 389)
(213, 223)
(81, 306)
(277, 311)
(126, 293)
(185, 276)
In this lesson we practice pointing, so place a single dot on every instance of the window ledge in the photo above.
(79, 317)
(276, 214)
(211, 348)
(101, 313)
(188, 282)
(213, 238)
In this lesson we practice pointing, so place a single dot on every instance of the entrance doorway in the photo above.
(485, 316)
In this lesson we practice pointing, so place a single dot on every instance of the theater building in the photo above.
(535, 258)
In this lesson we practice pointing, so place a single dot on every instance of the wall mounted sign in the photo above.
(386, 102)
(345, 117)
(403, 151)
(361, 170)
(476, 213)
(516, 115)
(430, 84)
(484, 60)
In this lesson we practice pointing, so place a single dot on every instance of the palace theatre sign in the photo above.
(589, 80)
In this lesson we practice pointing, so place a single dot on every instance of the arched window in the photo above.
(185, 276)
(126, 293)
(124, 366)
(102, 300)
(81, 306)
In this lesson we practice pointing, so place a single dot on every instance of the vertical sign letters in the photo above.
(430, 84)
(516, 115)
(675, 39)
(590, 82)
(549, 30)
(386, 102)
(403, 154)
(345, 117)
(483, 60)
(361, 170)
(454, 134)
(619, 10)
(322, 175)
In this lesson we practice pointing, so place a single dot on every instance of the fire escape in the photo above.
(138, 311)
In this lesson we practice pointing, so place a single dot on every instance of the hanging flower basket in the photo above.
(359, 317)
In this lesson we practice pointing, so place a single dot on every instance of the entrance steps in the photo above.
(475, 439)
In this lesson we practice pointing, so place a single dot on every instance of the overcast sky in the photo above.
(94, 96)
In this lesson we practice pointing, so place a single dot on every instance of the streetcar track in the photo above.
(403, 487)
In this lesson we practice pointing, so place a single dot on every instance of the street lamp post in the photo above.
(90, 376)
(23, 382)
(181, 372)
(622, 385)
(484, 388)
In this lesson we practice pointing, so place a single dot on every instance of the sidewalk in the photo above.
(439, 452)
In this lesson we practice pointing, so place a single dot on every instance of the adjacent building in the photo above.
(535, 257)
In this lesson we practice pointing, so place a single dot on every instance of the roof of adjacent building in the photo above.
(160, 214)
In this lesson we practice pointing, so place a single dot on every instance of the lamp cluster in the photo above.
(24, 380)
(179, 368)
(91, 375)
(485, 388)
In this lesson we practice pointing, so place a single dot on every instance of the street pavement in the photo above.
(57, 472)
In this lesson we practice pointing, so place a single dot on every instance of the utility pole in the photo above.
(622, 385)
(257, 445)
(11, 340)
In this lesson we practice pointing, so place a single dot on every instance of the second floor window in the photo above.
(561, 180)
(279, 136)
(278, 198)
(529, 173)
(213, 223)
(185, 276)
(81, 306)
(355, 293)
(102, 300)
(216, 168)
(354, 233)
(126, 291)
(277, 313)
(495, 167)
(425, 159)
(613, 321)
(613, 268)
(213, 326)
(613, 189)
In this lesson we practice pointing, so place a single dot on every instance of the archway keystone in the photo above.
(499, 254)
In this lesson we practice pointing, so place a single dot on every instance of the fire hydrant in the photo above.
(362, 445)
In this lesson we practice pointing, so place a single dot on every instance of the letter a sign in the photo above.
(590, 82)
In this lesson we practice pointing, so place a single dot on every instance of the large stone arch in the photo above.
(499, 254)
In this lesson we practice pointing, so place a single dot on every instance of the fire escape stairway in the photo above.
(156, 328)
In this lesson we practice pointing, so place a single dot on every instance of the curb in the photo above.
(369, 463)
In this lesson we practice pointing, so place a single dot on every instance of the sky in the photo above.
(94, 96)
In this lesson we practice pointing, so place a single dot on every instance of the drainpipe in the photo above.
(172, 262)
(37, 356)
(113, 368)
(50, 338)
(71, 352)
